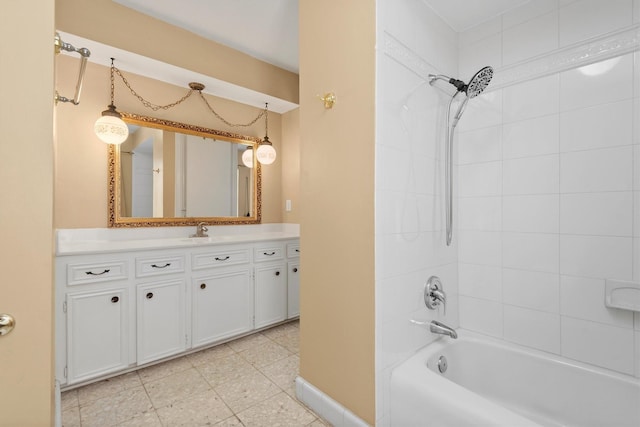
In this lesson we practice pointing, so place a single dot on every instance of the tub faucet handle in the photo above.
(434, 294)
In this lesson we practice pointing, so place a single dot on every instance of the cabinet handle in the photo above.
(203, 286)
(161, 266)
(277, 273)
(150, 295)
(115, 299)
(298, 251)
(295, 270)
(91, 273)
(222, 259)
(269, 253)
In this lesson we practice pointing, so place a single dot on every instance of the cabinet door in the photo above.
(293, 289)
(161, 320)
(271, 294)
(222, 306)
(97, 338)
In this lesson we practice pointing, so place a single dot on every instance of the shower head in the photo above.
(479, 82)
(476, 85)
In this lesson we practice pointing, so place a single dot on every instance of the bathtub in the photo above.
(492, 383)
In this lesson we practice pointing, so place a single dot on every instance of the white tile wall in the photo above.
(587, 18)
(568, 190)
(532, 328)
(539, 35)
(599, 344)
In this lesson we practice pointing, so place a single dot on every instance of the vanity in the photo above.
(130, 297)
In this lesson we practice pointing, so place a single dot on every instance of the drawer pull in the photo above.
(222, 259)
(269, 253)
(161, 266)
(149, 295)
(295, 270)
(277, 273)
(91, 273)
(203, 286)
(297, 250)
(115, 299)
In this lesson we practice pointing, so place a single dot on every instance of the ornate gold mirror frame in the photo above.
(115, 182)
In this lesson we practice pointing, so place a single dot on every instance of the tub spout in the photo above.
(440, 328)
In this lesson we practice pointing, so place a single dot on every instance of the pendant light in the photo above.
(265, 153)
(247, 157)
(110, 128)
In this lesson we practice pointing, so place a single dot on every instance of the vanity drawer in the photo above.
(220, 258)
(81, 274)
(159, 265)
(293, 250)
(268, 253)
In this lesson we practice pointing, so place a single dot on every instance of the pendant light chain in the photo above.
(156, 107)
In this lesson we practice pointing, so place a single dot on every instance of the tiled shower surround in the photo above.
(547, 177)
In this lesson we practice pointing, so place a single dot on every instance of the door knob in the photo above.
(7, 323)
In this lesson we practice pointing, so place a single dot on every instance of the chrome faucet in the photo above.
(434, 294)
(201, 230)
(440, 328)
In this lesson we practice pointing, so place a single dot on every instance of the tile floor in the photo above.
(246, 382)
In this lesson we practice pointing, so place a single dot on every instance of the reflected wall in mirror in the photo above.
(170, 174)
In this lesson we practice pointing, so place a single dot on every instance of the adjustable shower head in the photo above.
(476, 85)
(479, 82)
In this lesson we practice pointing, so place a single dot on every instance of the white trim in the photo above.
(583, 53)
(325, 406)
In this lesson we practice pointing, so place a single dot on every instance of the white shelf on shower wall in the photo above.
(622, 295)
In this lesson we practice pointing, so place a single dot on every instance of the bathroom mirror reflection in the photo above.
(169, 174)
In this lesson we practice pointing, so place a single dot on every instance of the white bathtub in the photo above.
(492, 383)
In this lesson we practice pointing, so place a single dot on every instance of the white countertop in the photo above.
(85, 241)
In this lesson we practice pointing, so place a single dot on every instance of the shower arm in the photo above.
(459, 84)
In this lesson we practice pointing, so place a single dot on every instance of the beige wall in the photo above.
(26, 197)
(112, 24)
(81, 159)
(290, 158)
(337, 53)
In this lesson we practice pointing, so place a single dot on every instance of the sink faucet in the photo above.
(440, 328)
(201, 230)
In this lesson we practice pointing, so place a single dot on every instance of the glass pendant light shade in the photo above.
(247, 157)
(265, 153)
(110, 128)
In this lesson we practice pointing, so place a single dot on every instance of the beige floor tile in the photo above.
(246, 391)
(203, 409)
(148, 419)
(284, 373)
(290, 341)
(71, 417)
(225, 369)
(108, 387)
(319, 423)
(69, 399)
(115, 408)
(176, 387)
(287, 328)
(265, 354)
(164, 369)
(247, 342)
(230, 422)
(203, 356)
(277, 411)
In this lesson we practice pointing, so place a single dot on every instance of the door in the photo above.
(161, 320)
(222, 306)
(293, 289)
(271, 295)
(26, 213)
(97, 338)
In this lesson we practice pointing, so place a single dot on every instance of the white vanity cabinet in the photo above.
(93, 317)
(270, 284)
(221, 294)
(97, 333)
(293, 279)
(120, 309)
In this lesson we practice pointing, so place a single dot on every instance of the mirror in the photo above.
(171, 174)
